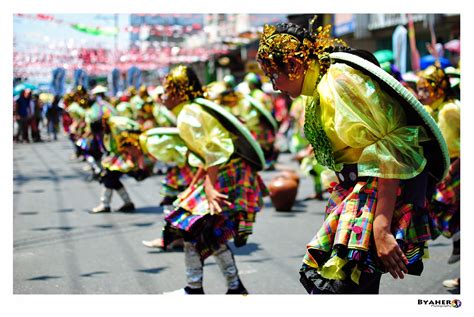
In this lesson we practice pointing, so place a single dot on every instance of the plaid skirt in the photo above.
(445, 206)
(177, 180)
(116, 162)
(265, 136)
(245, 190)
(344, 244)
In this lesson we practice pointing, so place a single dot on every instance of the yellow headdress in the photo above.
(177, 84)
(275, 48)
(127, 138)
(434, 80)
(124, 131)
(68, 98)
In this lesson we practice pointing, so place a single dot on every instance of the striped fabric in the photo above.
(116, 162)
(445, 206)
(177, 180)
(245, 190)
(347, 228)
(265, 136)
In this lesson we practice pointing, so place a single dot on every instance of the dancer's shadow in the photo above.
(247, 249)
(143, 224)
(66, 210)
(456, 290)
(149, 210)
(288, 213)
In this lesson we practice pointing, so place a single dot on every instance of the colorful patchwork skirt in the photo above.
(343, 247)
(177, 180)
(245, 190)
(445, 206)
(266, 137)
(116, 162)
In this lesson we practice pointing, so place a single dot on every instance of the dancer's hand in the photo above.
(387, 247)
(392, 257)
(214, 198)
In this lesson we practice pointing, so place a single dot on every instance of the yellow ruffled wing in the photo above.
(368, 127)
(204, 135)
(165, 148)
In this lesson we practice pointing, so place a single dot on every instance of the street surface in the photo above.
(59, 248)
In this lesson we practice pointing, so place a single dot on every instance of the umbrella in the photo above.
(20, 87)
(453, 46)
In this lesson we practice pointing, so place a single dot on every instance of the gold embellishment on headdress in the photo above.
(229, 98)
(279, 48)
(434, 80)
(177, 84)
(127, 138)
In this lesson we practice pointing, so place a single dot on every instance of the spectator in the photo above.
(22, 114)
(52, 117)
(36, 118)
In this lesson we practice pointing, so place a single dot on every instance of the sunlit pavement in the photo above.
(59, 248)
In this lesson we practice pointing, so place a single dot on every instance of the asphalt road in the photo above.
(59, 248)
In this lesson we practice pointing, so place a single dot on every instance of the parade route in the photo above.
(59, 248)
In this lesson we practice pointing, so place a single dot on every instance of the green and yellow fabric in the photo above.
(163, 116)
(234, 136)
(360, 131)
(165, 145)
(124, 109)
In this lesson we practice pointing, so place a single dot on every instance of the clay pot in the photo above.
(291, 174)
(283, 190)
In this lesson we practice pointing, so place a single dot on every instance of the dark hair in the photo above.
(293, 29)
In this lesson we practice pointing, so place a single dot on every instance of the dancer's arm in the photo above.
(388, 250)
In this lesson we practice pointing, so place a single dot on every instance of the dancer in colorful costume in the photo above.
(222, 200)
(252, 113)
(385, 148)
(127, 154)
(434, 91)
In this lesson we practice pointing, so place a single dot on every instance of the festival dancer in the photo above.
(222, 201)
(434, 91)
(384, 147)
(126, 155)
(252, 113)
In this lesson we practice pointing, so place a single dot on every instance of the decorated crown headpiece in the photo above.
(127, 138)
(229, 98)
(435, 80)
(177, 84)
(277, 48)
(124, 131)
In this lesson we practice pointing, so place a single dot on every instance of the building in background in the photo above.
(374, 32)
